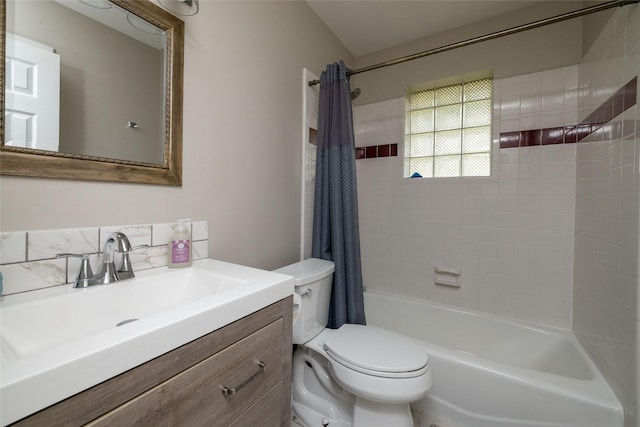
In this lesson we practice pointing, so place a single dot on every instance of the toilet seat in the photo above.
(377, 352)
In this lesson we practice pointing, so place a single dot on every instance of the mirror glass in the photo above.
(83, 77)
(93, 81)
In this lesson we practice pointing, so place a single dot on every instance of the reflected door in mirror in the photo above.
(32, 82)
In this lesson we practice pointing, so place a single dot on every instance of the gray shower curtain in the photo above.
(335, 217)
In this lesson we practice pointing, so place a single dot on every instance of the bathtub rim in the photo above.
(595, 390)
(539, 327)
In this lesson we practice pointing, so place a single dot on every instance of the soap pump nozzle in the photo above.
(181, 223)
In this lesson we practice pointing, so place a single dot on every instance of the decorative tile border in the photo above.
(599, 119)
(375, 151)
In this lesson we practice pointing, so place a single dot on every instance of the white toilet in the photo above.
(354, 376)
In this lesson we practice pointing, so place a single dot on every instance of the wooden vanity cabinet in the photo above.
(184, 387)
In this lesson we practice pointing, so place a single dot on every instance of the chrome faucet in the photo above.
(107, 272)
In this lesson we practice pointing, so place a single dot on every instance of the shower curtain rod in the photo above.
(559, 18)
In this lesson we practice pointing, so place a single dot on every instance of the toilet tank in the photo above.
(313, 279)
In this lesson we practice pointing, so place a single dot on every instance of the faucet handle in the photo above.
(85, 275)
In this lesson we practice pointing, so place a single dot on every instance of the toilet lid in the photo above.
(368, 348)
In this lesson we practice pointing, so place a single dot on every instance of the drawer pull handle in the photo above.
(231, 391)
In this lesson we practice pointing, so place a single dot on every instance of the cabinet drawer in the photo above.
(195, 397)
(264, 412)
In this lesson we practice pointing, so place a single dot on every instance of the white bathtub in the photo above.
(494, 372)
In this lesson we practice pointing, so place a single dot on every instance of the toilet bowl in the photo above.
(354, 376)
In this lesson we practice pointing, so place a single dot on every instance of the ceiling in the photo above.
(366, 26)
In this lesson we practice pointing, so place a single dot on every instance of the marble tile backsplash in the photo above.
(28, 258)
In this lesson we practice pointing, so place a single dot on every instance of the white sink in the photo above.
(57, 342)
(37, 325)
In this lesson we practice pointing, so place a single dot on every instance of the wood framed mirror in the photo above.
(164, 167)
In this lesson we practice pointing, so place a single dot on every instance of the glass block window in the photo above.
(449, 131)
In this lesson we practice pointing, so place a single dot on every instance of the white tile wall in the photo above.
(606, 318)
(379, 123)
(28, 258)
(510, 234)
(311, 98)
